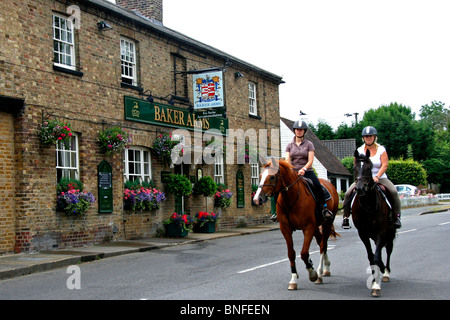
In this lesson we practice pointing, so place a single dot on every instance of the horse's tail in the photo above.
(333, 232)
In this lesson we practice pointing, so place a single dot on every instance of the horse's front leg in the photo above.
(287, 234)
(307, 238)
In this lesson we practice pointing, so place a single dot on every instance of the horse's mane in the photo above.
(287, 166)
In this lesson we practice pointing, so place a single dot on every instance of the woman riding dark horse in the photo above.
(379, 159)
(371, 212)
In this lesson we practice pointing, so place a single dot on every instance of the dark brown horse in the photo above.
(370, 214)
(296, 211)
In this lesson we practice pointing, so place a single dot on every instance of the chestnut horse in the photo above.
(371, 216)
(296, 208)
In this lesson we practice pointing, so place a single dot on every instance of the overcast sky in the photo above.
(336, 56)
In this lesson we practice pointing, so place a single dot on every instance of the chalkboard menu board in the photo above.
(105, 190)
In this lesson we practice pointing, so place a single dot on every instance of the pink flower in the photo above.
(109, 146)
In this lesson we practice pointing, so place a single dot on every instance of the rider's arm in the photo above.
(384, 165)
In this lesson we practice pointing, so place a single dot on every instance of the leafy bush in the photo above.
(205, 186)
(179, 185)
(406, 172)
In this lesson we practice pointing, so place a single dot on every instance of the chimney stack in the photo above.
(152, 9)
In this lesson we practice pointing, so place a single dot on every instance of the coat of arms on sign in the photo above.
(208, 91)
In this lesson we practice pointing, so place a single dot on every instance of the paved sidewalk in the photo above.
(15, 265)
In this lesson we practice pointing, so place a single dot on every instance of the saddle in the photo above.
(310, 186)
(383, 190)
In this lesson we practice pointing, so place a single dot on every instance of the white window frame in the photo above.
(128, 60)
(219, 169)
(252, 104)
(68, 159)
(140, 164)
(63, 42)
(254, 173)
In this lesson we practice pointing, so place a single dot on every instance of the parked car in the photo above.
(406, 189)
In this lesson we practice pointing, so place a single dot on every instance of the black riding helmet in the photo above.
(369, 131)
(300, 125)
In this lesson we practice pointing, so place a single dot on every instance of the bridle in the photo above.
(275, 184)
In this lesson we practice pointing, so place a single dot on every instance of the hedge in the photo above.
(406, 172)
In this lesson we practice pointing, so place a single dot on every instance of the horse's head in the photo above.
(269, 180)
(363, 173)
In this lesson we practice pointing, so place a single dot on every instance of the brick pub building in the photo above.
(88, 63)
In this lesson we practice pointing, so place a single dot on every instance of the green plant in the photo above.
(205, 186)
(53, 131)
(66, 184)
(179, 185)
(406, 172)
(113, 139)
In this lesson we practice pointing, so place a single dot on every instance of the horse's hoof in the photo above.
(313, 277)
(326, 273)
(386, 279)
(319, 281)
(376, 292)
(292, 286)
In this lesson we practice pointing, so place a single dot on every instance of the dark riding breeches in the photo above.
(318, 191)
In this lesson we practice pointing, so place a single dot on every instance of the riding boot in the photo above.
(345, 220)
(397, 223)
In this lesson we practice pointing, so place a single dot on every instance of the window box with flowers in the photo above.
(53, 131)
(163, 146)
(206, 222)
(72, 199)
(137, 197)
(113, 140)
(178, 225)
(223, 196)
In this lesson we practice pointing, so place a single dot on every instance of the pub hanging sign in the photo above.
(208, 90)
(169, 116)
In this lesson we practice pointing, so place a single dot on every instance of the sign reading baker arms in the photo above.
(169, 116)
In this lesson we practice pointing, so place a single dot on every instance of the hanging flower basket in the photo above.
(163, 146)
(53, 131)
(113, 140)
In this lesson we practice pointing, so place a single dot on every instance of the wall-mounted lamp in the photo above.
(103, 26)
(150, 98)
(238, 75)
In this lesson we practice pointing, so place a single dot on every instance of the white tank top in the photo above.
(376, 160)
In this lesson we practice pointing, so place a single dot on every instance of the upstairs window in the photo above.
(128, 61)
(252, 107)
(63, 43)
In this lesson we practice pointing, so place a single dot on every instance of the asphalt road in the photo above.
(255, 267)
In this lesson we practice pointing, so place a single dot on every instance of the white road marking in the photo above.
(443, 223)
(330, 247)
(406, 231)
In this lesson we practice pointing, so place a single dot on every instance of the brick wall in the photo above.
(7, 189)
(91, 102)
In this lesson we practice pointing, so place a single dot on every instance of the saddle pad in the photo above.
(326, 193)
